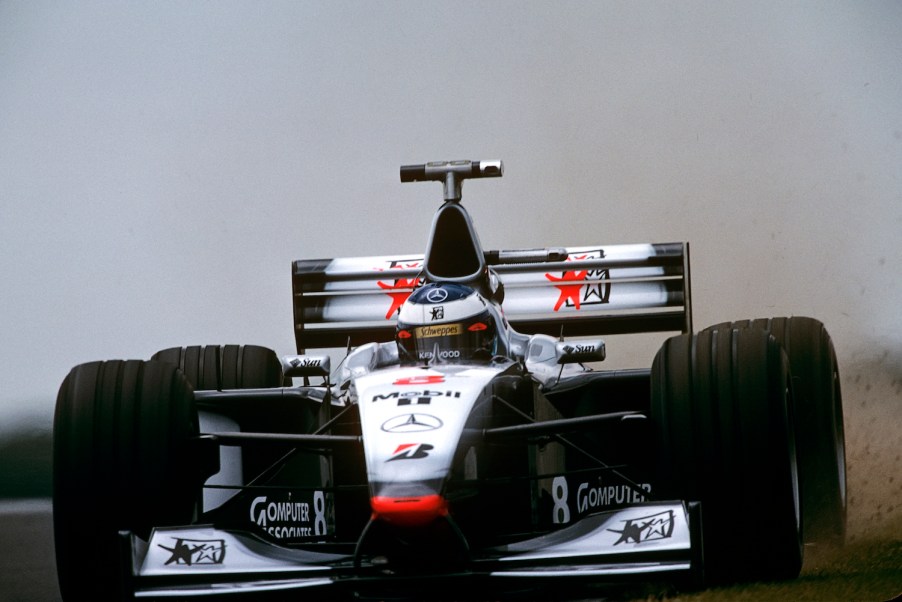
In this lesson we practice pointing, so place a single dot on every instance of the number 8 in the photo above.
(560, 514)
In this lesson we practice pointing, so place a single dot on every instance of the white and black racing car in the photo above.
(462, 442)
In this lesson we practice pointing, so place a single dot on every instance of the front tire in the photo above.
(721, 405)
(820, 437)
(121, 462)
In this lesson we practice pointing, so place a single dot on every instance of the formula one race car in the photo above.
(462, 441)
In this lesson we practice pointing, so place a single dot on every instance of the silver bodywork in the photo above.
(421, 427)
(199, 561)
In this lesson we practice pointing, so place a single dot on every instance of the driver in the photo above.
(451, 321)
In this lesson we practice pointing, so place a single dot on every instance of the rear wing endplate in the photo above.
(598, 290)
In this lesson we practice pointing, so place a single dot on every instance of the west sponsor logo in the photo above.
(190, 552)
(582, 287)
(411, 451)
(400, 288)
(290, 519)
(412, 423)
(647, 528)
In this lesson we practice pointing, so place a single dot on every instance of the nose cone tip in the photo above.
(409, 511)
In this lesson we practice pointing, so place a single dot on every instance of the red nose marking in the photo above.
(409, 511)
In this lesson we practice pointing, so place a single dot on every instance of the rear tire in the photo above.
(230, 367)
(820, 438)
(721, 405)
(214, 367)
(121, 461)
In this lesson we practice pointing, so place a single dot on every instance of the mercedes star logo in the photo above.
(436, 295)
(411, 423)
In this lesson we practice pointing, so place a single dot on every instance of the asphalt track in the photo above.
(863, 570)
(27, 563)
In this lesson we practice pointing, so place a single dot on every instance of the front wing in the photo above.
(639, 541)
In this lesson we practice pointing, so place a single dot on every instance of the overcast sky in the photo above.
(162, 163)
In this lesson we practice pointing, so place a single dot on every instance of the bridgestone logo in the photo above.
(439, 331)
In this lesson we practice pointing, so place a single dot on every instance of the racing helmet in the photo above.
(449, 323)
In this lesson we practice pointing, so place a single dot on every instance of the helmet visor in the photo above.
(470, 340)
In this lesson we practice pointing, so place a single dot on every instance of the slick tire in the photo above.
(229, 367)
(215, 368)
(722, 409)
(122, 437)
(820, 438)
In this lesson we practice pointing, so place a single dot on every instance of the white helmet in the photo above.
(449, 322)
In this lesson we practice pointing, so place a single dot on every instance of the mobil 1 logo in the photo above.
(417, 397)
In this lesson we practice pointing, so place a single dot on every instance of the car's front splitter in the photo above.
(636, 542)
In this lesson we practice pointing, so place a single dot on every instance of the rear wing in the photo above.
(597, 290)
